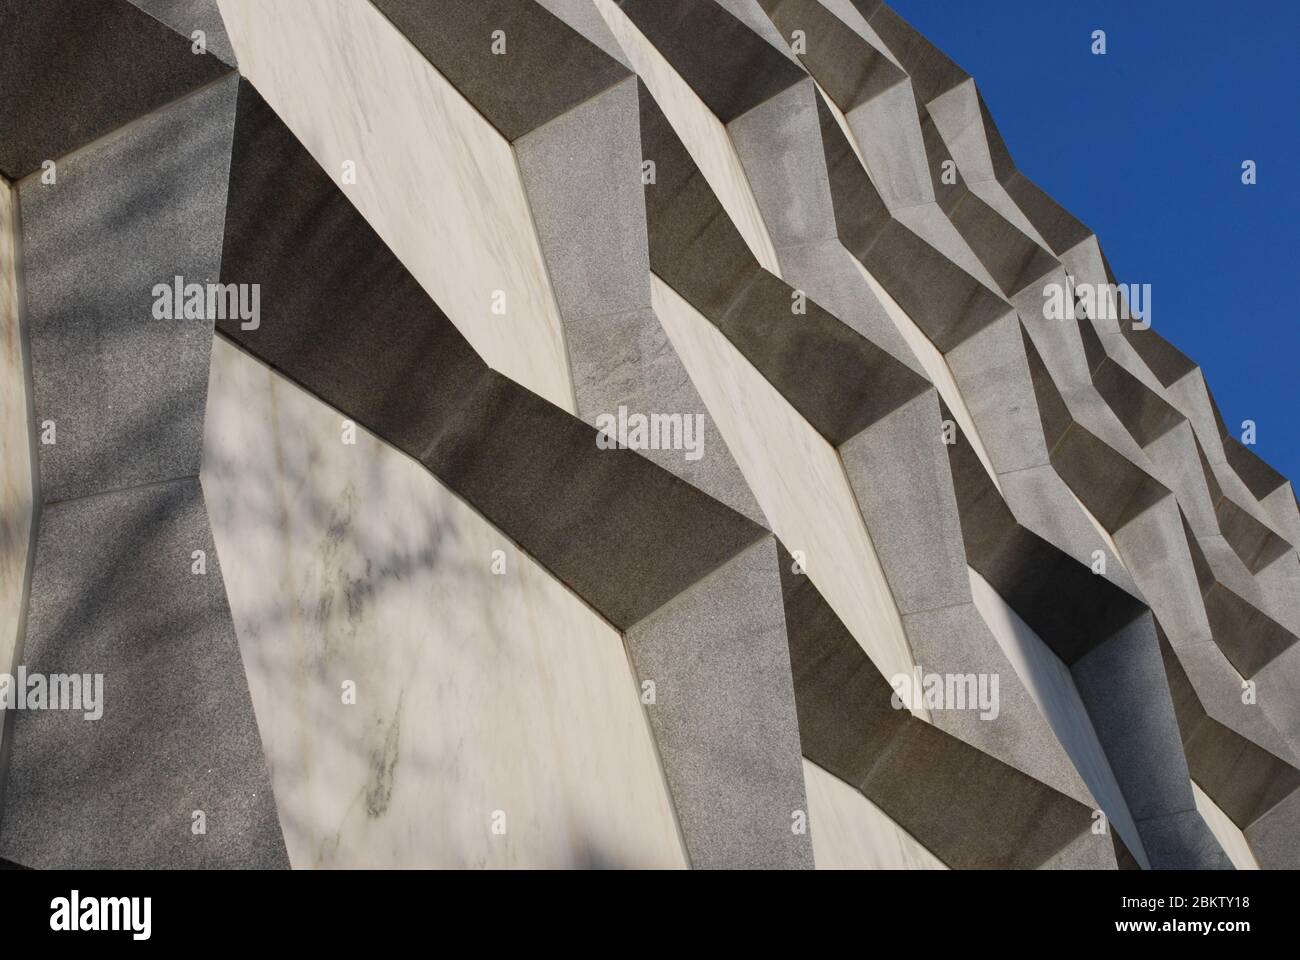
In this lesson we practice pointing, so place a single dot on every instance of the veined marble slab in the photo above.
(437, 182)
(482, 699)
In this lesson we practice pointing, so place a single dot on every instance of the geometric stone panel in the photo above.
(783, 246)
(75, 70)
(476, 691)
(170, 730)
(17, 480)
(124, 386)
(730, 746)
(188, 16)
(626, 536)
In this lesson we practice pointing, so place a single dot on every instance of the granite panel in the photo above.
(624, 534)
(75, 70)
(724, 715)
(114, 595)
(547, 69)
(187, 16)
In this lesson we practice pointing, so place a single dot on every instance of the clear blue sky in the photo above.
(1145, 146)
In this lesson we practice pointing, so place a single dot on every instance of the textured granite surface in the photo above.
(75, 70)
(113, 595)
(126, 390)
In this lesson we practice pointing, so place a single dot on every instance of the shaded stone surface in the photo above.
(969, 809)
(1097, 501)
(652, 554)
(847, 67)
(728, 66)
(124, 389)
(188, 16)
(113, 594)
(457, 38)
(837, 379)
(75, 70)
(581, 172)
